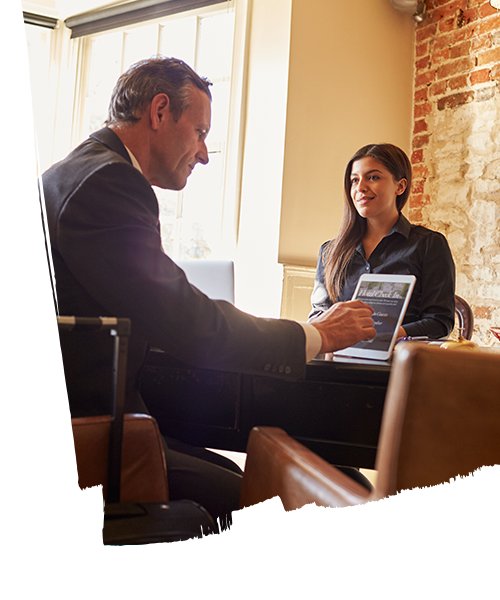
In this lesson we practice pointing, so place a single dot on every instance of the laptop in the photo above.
(389, 296)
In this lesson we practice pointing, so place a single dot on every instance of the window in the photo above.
(39, 42)
(230, 200)
(196, 222)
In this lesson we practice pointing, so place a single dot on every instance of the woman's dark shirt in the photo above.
(407, 250)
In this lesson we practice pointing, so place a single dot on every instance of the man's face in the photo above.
(178, 146)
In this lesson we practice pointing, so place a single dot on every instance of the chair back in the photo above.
(143, 467)
(441, 416)
(465, 317)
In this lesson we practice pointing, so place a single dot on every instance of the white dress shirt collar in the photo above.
(134, 160)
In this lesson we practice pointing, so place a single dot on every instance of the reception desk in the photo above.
(336, 411)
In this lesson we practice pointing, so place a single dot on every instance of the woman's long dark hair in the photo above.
(339, 251)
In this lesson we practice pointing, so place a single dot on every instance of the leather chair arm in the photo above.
(144, 471)
(278, 465)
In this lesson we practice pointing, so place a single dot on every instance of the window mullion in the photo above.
(83, 50)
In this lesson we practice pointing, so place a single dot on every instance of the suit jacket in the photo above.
(108, 261)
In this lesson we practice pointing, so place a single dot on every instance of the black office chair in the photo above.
(465, 317)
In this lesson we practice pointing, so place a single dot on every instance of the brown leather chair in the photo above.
(441, 419)
(465, 317)
(125, 454)
(144, 513)
(143, 468)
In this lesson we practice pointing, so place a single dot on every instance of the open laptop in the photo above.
(389, 296)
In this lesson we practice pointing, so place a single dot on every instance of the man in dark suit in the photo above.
(108, 260)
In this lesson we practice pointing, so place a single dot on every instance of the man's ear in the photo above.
(159, 109)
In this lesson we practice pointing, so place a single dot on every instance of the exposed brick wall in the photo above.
(456, 145)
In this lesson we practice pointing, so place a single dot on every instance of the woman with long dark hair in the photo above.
(375, 237)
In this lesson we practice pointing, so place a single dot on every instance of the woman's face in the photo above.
(374, 189)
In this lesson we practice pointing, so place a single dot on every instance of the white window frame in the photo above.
(234, 143)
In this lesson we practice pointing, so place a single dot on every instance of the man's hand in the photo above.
(344, 324)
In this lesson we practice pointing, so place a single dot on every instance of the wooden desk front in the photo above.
(336, 411)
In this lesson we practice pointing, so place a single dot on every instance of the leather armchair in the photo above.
(441, 419)
(125, 454)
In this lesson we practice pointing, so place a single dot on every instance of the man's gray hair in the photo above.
(138, 85)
